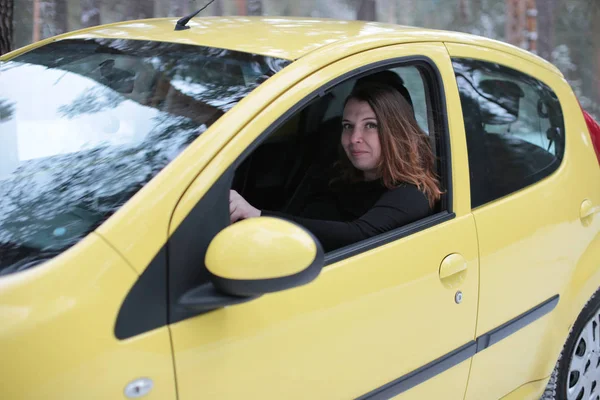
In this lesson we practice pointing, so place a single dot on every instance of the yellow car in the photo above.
(122, 277)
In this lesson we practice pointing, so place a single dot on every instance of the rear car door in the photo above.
(393, 315)
(527, 192)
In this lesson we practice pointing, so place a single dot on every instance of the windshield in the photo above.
(84, 124)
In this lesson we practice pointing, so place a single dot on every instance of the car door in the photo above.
(527, 198)
(393, 315)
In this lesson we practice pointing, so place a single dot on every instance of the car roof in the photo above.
(283, 37)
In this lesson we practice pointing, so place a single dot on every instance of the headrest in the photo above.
(387, 78)
(499, 101)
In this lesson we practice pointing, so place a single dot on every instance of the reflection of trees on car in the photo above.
(6, 109)
(161, 96)
(50, 204)
(202, 90)
(499, 100)
(96, 100)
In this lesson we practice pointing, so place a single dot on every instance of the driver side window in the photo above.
(294, 165)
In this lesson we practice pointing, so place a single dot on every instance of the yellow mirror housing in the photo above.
(261, 255)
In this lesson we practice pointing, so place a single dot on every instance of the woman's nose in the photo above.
(356, 136)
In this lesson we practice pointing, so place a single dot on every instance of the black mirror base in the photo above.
(206, 297)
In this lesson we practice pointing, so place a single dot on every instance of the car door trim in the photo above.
(388, 237)
(145, 306)
(494, 336)
(422, 374)
(461, 354)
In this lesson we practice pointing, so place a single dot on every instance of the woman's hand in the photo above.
(239, 208)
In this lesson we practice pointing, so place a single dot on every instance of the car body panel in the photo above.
(526, 239)
(442, 386)
(57, 323)
(529, 391)
(331, 319)
(358, 318)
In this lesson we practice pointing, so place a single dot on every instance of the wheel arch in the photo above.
(578, 290)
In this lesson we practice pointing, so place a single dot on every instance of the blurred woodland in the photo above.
(565, 32)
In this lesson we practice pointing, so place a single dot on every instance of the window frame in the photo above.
(435, 98)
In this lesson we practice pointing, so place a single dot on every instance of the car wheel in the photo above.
(576, 375)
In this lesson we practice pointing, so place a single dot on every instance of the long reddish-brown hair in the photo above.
(406, 155)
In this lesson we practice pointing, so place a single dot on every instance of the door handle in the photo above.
(452, 264)
(586, 210)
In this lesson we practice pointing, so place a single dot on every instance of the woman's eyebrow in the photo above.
(364, 119)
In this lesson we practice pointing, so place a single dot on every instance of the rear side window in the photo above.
(514, 127)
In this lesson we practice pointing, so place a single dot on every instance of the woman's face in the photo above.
(360, 137)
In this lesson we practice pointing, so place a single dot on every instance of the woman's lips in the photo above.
(357, 153)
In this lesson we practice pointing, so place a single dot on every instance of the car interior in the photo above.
(284, 168)
(503, 158)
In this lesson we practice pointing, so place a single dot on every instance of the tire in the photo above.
(576, 375)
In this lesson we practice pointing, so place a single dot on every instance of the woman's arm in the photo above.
(394, 209)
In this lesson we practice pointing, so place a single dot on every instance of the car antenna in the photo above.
(181, 24)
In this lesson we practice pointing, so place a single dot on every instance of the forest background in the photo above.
(565, 32)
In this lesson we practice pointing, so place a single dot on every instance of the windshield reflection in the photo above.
(86, 123)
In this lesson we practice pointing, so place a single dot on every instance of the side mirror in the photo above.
(262, 255)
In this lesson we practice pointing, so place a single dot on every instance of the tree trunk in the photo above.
(463, 13)
(140, 9)
(241, 7)
(531, 26)
(408, 12)
(6, 25)
(392, 18)
(366, 10)
(516, 22)
(218, 8)
(53, 17)
(90, 13)
(61, 16)
(254, 7)
(476, 7)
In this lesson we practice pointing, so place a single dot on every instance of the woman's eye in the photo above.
(371, 125)
(346, 127)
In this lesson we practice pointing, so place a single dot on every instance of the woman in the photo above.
(385, 175)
